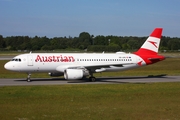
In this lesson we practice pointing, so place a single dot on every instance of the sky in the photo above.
(60, 18)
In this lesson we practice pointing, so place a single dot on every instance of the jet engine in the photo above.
(75, 74)
(55, 74)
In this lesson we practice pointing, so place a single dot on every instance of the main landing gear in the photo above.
(29, 77)
(92, 78)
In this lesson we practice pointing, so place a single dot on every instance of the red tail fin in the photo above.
(149, 50)
(151, 45)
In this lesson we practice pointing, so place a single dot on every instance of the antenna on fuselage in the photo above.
(30, 52)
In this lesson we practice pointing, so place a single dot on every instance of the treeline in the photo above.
(85, 41)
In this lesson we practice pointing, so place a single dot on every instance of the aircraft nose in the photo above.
(12, 66)
(7, 66)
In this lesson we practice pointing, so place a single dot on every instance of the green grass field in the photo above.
(157, 101)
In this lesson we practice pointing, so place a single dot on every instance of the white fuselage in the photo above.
(58, 62)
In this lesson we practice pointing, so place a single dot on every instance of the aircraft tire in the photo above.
(28, 80)
(92, 79)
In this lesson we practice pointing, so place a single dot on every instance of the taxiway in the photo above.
(100, 80)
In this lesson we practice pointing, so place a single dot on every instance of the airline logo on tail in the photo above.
(151, 45)
(154, 43)
(149, 50)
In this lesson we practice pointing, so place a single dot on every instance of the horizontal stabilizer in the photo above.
(154, 60)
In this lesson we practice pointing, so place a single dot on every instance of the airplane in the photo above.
(79, 65)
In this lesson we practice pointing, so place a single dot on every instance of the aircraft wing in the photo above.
(101, 68)
(93, 68)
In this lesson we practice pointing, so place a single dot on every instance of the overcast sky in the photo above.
(59, 18)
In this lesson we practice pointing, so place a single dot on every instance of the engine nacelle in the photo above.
(74, 74)
(56, 74)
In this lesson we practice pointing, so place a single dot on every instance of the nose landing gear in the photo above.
(29, 77)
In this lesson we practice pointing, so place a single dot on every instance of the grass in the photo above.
(155, 101)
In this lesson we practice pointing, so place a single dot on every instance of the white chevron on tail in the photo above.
(151, 45)
(153, 41)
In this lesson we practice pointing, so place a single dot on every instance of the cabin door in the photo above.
(29, 60)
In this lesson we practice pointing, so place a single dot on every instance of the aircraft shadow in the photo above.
(99, 79)
(111, 79)
(43, 79)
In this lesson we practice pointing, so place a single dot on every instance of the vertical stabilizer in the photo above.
(151, 45)
(149, 50)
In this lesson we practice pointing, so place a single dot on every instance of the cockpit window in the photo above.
(16, 59)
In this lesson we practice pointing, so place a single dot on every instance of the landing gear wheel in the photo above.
(29, 78)
(92, 79)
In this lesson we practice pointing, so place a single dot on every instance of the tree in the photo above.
(59, 43)
(85, 40)
(36, 43)
(100, 40)
(2, 43)
(133, 44)
(125, 46)
(174, 44)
